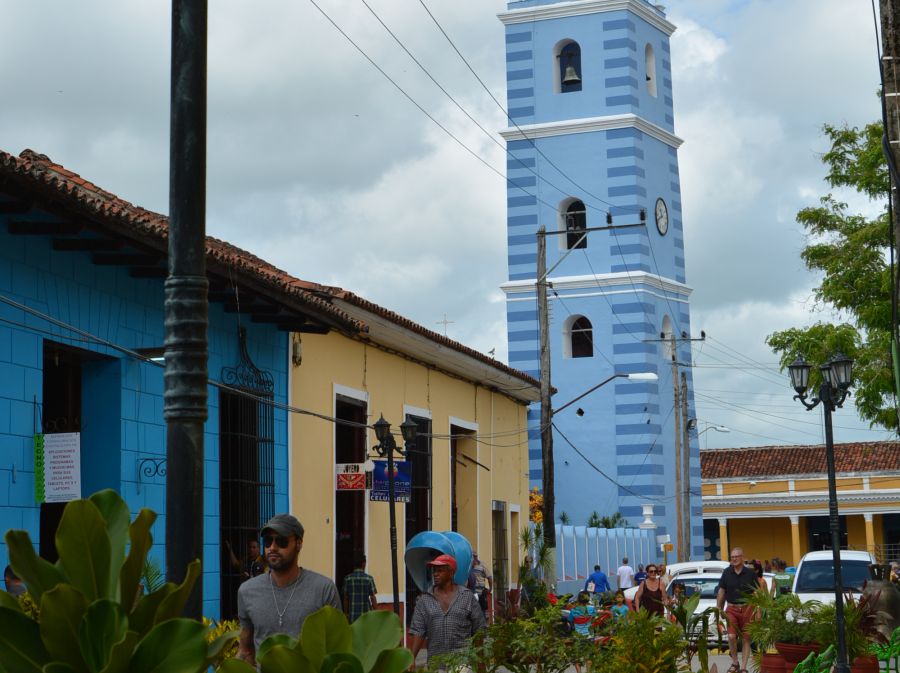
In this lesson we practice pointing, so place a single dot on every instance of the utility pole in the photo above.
(890, 71)
(679, 477)
(685, 471)
(546, 410)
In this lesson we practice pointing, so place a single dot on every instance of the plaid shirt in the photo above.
(358, 586)
(451, 631)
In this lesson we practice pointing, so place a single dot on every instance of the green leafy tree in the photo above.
(614, 520)
(852, 252)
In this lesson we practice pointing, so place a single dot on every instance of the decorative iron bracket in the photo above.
(246, 374)
(149, 468)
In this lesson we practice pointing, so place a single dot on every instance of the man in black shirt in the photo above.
(737, 581)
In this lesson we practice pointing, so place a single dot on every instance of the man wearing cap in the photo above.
(279, 601)
(447, 615)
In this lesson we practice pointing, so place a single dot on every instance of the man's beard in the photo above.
(283, 562)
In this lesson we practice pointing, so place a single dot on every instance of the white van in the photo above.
(814, 579)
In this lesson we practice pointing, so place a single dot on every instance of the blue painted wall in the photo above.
(627, 430)
(122, 401)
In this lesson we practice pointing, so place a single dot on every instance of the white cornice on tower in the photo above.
(605, 280)
(579, 7)
(591, 125)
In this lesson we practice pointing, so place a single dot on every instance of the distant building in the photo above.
(773, 500)
(589, 92)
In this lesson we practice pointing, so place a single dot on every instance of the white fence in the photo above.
(579, 549)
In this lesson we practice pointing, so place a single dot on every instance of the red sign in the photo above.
(351, 482)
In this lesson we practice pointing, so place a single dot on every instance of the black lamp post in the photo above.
(836, 379)
(386, 446)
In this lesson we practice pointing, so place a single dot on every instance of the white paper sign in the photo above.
(62, 467)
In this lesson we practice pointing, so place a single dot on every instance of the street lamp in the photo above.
(837, 375)
(386, 447)
(637, 376)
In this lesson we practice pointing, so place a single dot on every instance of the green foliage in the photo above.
(152, 578)
(696, 628)
(850, 251)
(614, 520)
(862, 620)
(564, 518)
(784, 619)
(216, 631)
(593, 520)
(328, 644)
(644, 643)
(90, 617)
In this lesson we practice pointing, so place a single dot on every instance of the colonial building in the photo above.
(593, 158)
(773, 500)
(81, 408)
(468, 466)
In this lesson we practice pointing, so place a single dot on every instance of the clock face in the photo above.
(662, 217)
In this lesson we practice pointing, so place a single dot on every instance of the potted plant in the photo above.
(764, 630)
(795, 631)
(862, 630)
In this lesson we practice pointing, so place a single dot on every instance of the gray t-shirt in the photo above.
(257, 606)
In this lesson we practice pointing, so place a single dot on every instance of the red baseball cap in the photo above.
(443, 560)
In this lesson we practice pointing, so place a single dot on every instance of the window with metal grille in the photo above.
(576, 223)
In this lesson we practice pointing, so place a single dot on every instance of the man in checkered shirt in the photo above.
(359, 591)
(447, 615)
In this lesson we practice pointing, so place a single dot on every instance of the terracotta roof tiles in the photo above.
(783, 461)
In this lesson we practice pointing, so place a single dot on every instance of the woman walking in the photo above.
(651, 595)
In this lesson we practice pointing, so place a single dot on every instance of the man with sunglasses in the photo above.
(279, 601)
(447, 615)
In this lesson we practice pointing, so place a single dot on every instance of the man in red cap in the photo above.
(447, 615)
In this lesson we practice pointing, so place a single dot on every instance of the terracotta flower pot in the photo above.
(771, 663)
(794, 653)
(867, 664)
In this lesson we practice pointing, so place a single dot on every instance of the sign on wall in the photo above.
(402, 481)
(57, 467)
(350, 477)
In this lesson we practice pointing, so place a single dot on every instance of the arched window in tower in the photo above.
(581, 338)
(576, 222)
(567, 74)
(650, 60)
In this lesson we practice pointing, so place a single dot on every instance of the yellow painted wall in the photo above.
(884, 482)
(390, 381)
(708, 489)
(762, 538)
(744, 487)
(856, 531)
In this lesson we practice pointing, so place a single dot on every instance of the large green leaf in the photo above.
(235, 666)
(62, 609)
(282, 639)
(84, 549)
(341, 662)
(175, 646)
(173, 604)
(141, 541)
(9, 602)
(120, 655)
(103, 626)
(21, 649)
(373, 633)
(220, 644)
(141, 619)
(38, 574)
(281, 659)
(118, 518)
(392, 661)
(325, 631)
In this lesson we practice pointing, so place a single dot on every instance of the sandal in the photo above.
(735, 668)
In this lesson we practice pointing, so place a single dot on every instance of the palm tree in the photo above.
(615, 520)
(564, 518)
(594, 520)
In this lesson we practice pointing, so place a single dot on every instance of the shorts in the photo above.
(739, 618)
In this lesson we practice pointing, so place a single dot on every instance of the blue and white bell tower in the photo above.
(589, 88)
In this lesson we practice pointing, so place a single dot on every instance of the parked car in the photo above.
(686, 568)
(814, 579)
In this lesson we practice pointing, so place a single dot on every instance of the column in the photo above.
(870, 532)
(723, 539)
(795, 539)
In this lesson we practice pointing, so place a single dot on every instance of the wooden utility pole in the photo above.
(679, 478)
(685, 541)
(546, 410)
(890, 70)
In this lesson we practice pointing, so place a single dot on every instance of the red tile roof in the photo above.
(38, 176)
(782, 461)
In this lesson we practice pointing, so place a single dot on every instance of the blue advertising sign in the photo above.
(402, 481)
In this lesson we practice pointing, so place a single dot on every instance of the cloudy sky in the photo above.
(318, 163)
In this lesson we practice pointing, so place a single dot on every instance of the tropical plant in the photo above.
(593, 520)
(564, 518)
(861, 625)
(696, 629)
(328, 644)
(534, 588)
(93, 618)
(644, 643)
(614, 520)
(215, 630)
(152, 577)
(787, 620)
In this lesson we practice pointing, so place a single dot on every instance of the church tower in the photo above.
(591, 144)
